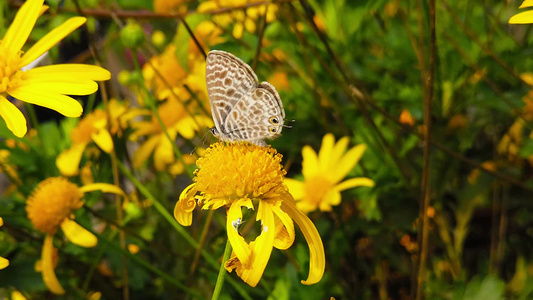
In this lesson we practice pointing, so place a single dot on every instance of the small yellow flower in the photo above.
(45, 86)
(177, 121)
(323, 173)
(406, 118)
(51, 206)
(3, 262)
(525, 17)
(243, 175)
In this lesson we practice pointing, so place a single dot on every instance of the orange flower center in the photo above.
(89, 125)
(53, 200)
(10, 75)
(315, 189)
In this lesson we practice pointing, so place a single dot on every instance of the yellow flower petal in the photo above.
(525, 17)
(526, 3)
(64, 105)
(19, 30)
(233, 221)
(317, 258)
(164, 154)
(69, 160)
(310, 165)
(72, 87)
(144, 151)
(353, 182)
(296, 188)
(337, 152)
(262, 247)
(68, 72)
(185, 206)
(347, 162)
(49, 276)
(77, 234)
(3, 263)
(104, 187)
(324, 154)
(332, 197)
(284, 229)
(16, 295)
(103, 139)
(50, 39)
(14, 119)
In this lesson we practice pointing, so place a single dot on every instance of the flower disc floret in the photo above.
(240, 171)
(53, 200)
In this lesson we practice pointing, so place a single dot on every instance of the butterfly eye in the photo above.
(273, 120)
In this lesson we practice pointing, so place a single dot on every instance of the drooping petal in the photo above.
(14, 119)
(144, 151)
(234, 220)
(68, 72)
(104, 187)
(284, 229)
(50, 39)
(296, 187)
(47, 265)
(64, 105)
(19, 30)
(324, 155)
(354, 182)
(73, 87)
(185, 206)
(103, 139)
(262, 247)
(77, 234)
(69, 160)
(317, 258)
(347, 162)
(525, 17)
(310, 162)
(526, 3)
(3, 263)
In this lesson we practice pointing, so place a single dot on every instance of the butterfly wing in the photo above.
(258, 115)
(228, 80)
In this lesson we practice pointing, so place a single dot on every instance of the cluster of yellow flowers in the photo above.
(234, 176)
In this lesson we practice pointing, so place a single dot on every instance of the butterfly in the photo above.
(243, 109)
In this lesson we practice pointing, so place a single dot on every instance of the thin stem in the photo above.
(428, 82)
(179, 229)
(203, 237)
(222, 272)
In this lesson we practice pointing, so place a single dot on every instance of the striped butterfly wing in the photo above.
(228, 80)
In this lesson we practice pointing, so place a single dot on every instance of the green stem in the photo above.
(170, 219)
(222, 272)
(151, 104)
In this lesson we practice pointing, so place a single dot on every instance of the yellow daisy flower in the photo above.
(243, 175)
(3, 262)
(94, 127)
(177, 121)
(322, 174)
(51, 206)
(45, 86)
(525, 17)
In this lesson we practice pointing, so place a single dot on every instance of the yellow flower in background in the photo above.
(177, 121)
(243, 175)
(3, 262)
(166, 66)
(166, 6)
(322, 184)
(94, 127)
(525, 17)
(45, 86)
(241, 19)
(51, 206)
